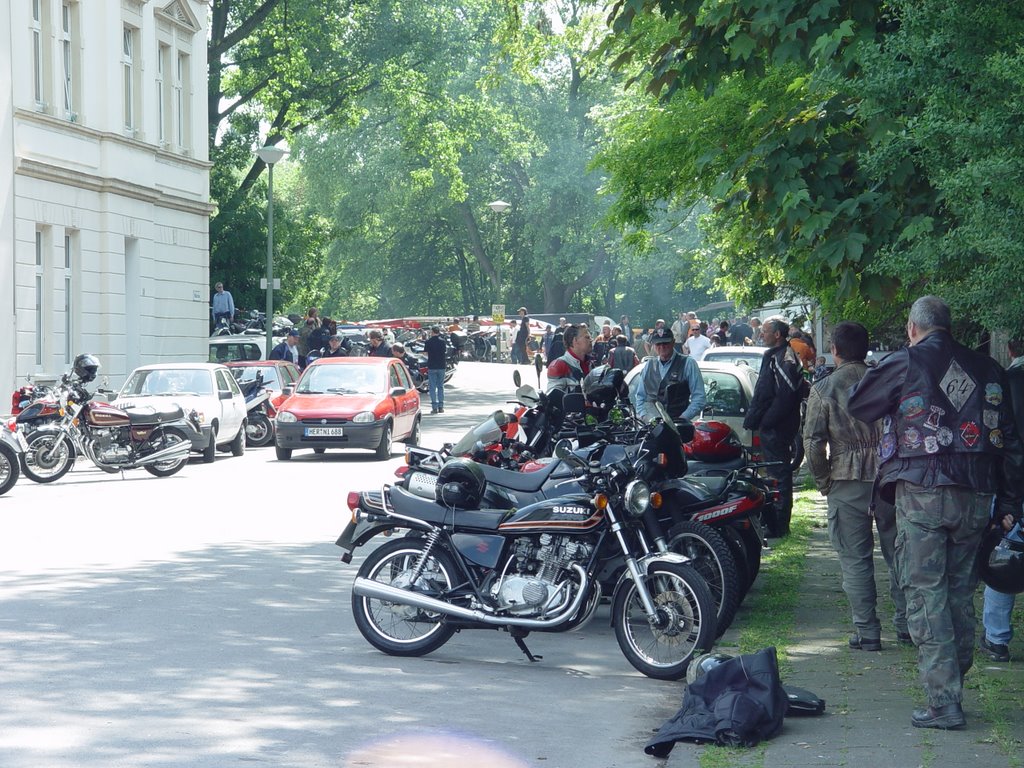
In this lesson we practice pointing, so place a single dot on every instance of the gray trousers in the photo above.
(851, 529)
(939, 531)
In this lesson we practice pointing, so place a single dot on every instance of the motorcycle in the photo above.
(537, 568)
(259, 425)
(12, 446)
(112, 438)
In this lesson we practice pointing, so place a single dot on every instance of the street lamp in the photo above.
(270, 155)
(499, 207)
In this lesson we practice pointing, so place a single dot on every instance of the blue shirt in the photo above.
(693, 379)
(222, 302)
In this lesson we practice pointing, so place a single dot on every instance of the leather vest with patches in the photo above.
(658, 390)
(952, 402)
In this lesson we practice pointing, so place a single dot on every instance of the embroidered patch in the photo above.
(990, 418)
(958, 386)
(993, 394)
(996, 438)
(887, 446)
(944, 436)
(969, 433)
(932, 422)
(931, 444)
(912, 406)
(912, 439)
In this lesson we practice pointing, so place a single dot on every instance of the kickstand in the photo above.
(518, 635)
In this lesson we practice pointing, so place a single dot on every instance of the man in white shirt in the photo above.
(697, 344)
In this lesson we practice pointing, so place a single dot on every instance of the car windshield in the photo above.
(168, 381)
(248, 373)
(342, 379)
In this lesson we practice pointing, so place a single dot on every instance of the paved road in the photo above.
(203, 620)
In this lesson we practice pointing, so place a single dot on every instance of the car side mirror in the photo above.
(516, 378)
(398, 391)
(287, 390)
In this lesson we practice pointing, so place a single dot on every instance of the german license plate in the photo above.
(324, 431)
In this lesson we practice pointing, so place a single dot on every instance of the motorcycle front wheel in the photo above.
(258, 430)
(10, 468)
(404, 630)
(713, 560)
(684, 625)
(49, 457)
(166, 439)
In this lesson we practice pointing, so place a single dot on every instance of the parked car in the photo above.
(208, 388)
(728, 388)
(277, 374)
(349, 402)
(751, 356)
(226, 349)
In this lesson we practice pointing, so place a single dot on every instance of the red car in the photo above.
(349, 402)
(277, 374)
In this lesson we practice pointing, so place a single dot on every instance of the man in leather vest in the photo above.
(842, 455)
(775, 413)
(669, 369)
(567, 371)
(949, 445)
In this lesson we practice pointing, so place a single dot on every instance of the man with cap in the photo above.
(670, 378)
(289, 350)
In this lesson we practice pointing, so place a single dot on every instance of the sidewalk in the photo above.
(869, 696)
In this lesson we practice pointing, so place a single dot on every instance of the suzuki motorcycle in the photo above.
(536, 568)
(113, 439)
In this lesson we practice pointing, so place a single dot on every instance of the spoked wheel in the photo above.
(684, 625)
(10, 468)
(49, 457)
(166, 439)
(403, 630)
(712, 559)
(258, 430)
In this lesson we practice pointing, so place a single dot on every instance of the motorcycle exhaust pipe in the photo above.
(375, 589)
(176, 451)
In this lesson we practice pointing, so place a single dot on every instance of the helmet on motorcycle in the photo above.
(461, 484)
(704, 663)
(603, 384)
(713, 441)
(86, 367)
(1001, 562)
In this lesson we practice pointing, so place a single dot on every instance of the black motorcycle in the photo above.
(535, 568)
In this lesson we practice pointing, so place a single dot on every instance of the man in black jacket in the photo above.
(775, 412)
(949, 446)
(435, 348)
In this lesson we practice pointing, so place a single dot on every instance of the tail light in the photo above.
(353, 500)
(402, 470)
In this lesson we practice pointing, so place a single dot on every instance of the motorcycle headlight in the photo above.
(638, 498)
(364, 417)
(286, 417)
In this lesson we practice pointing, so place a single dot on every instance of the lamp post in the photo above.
(270, 155)
(499, 207)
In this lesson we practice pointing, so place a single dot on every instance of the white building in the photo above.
(104, 185)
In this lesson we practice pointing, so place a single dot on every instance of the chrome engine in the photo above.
(534, 579)
(105, 446)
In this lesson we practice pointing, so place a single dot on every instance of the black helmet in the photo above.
(1001, 562)
(603, 384)
(461, 484)
(86, 367)
(703, 664)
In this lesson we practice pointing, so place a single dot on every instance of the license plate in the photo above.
(324, 431)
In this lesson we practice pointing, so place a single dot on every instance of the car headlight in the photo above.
(638, 498)
(286, 417)
(364, 417)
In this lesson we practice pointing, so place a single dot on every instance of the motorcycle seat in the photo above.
(145, 414)
(526, 482)
(715, 484)
(411, 505)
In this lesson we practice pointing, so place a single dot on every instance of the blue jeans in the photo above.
(998, 608)
(435, 383)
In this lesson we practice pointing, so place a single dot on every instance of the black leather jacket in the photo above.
(775, 405)
(947, 420)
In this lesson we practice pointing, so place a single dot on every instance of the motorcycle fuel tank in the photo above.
(564, 514)
(101, 415)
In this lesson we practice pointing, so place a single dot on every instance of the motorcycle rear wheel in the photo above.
(259, 431)
(685, 627)
(401, 630)
(10, 468)
(168, 438)
(43, 468)
(714, 561)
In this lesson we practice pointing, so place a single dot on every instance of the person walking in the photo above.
(843, 459)
(775, 412)
(522, 337)
(435, 349)
(949, 451)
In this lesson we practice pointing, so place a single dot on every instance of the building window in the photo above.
(39, 296)
(182, 97)
(128, 66)
(162, 56)
(69, 285)
(40, 52)
(69, 57)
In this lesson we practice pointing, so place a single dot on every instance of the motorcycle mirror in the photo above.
(538, 363)
(527, 395)
(516, 378)
(663, 415)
